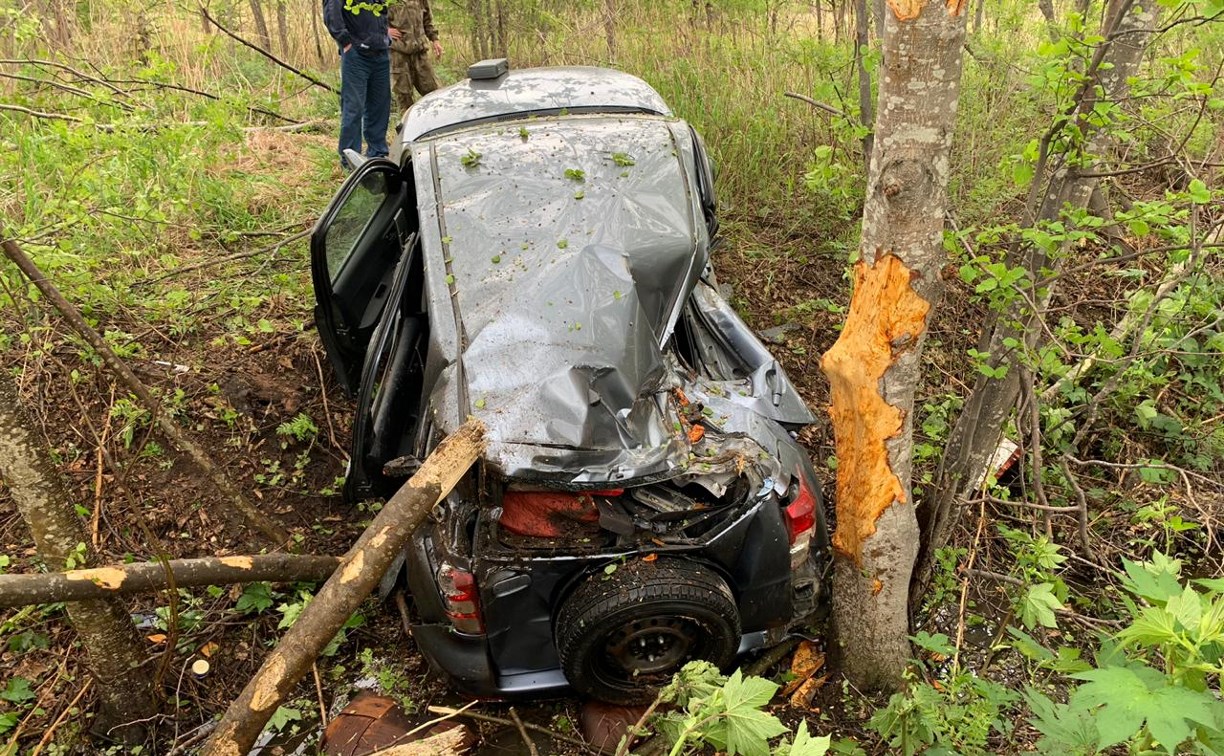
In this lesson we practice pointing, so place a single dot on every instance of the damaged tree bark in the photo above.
(105, 627)
(363, 566)
(232, 497)
(147, 577)
(873, 369)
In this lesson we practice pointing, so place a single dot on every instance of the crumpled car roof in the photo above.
(560, 252)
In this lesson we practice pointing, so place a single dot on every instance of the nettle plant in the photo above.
(1155, 684)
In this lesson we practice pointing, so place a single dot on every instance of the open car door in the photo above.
(353, 254)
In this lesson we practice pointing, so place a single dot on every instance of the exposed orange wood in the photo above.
(884, 310)
(955, 7)
(908, 10)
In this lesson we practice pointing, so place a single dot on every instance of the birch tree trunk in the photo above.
(105, 627)
(979, 428)
(873, 369)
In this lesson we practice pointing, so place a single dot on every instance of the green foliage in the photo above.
(955, 716)
(255, 598)
(300, 428)
(726, 714)
(18, 690)
(1156, 680)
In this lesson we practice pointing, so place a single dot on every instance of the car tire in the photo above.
(622, 635)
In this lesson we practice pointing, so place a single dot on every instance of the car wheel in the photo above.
(621, 636)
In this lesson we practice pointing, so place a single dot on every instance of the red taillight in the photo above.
(800, 516)
(461, 599)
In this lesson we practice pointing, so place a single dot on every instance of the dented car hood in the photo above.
(559, 254)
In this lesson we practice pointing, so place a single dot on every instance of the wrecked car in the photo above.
(536, 253)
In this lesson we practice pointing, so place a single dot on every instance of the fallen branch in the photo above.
(231, 496)
(69, 69)
(266, 54)
(110, 128)
(40, 114)
(270, 249)
(815, 103)
(363, 566)
(147, 577)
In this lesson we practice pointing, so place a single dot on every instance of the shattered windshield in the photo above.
(570, 245)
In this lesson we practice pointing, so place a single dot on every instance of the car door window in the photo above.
(354, 250)
(351, 220)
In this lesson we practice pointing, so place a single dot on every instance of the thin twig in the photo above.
(46, 738)
(964, 597)
(508, 723)
(815, 103)
(266, 54)
(531, 746)
(270, 249)
(314, 668)
(96, 517)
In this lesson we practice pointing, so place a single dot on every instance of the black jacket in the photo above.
(363, 30)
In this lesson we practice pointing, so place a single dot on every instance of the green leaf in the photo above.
(1199, 193)
(1157, 581)
(806, 745)
(936, 644)
(255, 598)
(1122, 694)
(18, 690)
(1038, 605)
(283, 716)
(1173, 709)
(744, 728)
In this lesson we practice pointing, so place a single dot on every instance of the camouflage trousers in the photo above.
(409, 73)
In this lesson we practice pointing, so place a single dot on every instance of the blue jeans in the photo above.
(365, 101)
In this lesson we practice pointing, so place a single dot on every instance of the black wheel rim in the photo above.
(651, 647)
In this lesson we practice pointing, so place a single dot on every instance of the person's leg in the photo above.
(353, 78)
(377, 104)
(423, 73)
(401, 81)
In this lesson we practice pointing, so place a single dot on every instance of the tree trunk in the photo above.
(147, 577)
(610, 29)
(261, 25)
(480, 42)
(314, 29)
(979, 428)
(1051, 20)
(105, 627)
(873, 368)
(340, 596)
(282, 27)
(861, 29)
(977, 15)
